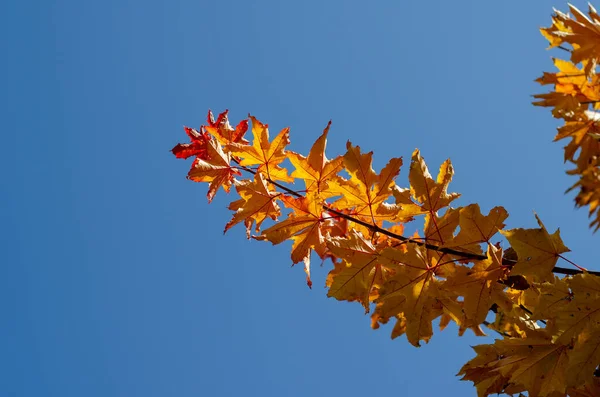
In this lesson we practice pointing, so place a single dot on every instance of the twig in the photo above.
(489, 325)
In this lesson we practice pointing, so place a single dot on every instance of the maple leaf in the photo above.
(554, 296)
(222, 130)
(359, 275)
(413, 280)
(432, 195)
(477, 370)
(578, 130)
(408, 208)
(303, 227)
(564, 105)
(537, 250)
(572, 307)
(581, 312)
(388, 308)
(584, 357)
(533, 364)
(590, 389)
(439, 230)
(197, 146)
(589, 193)
(214, 169)
(567, 79)
(366, 191)
(479, 286)
(583, 33)
(316, 169)
(476, 228)
(257, 203)
(571, 80)
(267, 155)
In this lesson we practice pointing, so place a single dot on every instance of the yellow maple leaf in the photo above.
(267, 155)
(537, 250)
(257, 203)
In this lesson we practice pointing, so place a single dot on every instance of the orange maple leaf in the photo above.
(572, 91)
(573, 81)
(564, 105)
(257, 203)
(414, 280)
(366, 191)
(197, 146)
(567, 80)
(440, 229)
(267, 155)
(431, 194)
(303, 227)
(316, 169)
(222, 130)
(513, 365)
(479, 286)
(360, 274)
(214, 169)
(476, 228)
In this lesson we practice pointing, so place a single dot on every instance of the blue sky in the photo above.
(116, 278)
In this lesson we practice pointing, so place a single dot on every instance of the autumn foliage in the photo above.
(453, 269)
(575, 99)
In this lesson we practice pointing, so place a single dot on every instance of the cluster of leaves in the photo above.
(450, 269)
(576, 98)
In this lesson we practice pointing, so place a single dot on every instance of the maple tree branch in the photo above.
(375, 228)
(526, 310)
(378, 229)
(489, 325)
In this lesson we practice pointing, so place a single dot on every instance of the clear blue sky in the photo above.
(116, 279)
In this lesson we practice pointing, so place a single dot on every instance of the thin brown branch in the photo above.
(563, 48)
(489, 325)
(375, 228)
